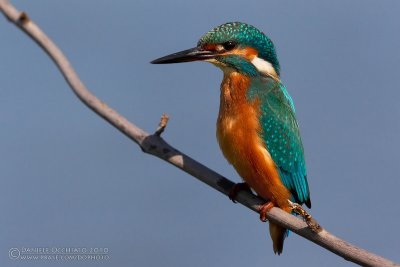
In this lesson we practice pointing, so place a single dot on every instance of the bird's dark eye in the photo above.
(229, 45)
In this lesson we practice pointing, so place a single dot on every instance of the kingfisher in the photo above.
(257, 129)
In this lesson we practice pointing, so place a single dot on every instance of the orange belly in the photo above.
(238, 133)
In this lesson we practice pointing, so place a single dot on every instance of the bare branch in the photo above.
(155, 145)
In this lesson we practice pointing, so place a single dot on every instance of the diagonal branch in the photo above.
(155, 145)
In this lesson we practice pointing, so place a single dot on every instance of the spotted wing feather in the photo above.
(281, 136)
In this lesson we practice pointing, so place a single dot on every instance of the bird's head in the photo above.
(232, 46)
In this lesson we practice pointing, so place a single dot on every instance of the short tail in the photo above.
(278, 235)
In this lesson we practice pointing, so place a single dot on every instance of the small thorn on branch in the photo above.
(311, 222)
(23, 18)
(161, 126)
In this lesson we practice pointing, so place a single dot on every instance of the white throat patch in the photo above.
(264, 66)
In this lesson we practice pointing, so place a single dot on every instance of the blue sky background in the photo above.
(68, 179)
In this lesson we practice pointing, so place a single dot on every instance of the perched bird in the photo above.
(257, 128)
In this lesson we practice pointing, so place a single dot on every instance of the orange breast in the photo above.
(238, 133)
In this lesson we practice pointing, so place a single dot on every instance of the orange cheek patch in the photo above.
(246, 52)
(210, 47)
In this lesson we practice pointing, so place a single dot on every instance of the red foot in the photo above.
(264, 209)
(235, 190)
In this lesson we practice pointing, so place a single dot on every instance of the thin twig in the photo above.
(161, 126)
(155, 145)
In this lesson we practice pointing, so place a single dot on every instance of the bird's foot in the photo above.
(264, 209)
(310, 221)
(236, 189)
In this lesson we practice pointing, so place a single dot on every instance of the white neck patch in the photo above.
(264, 66)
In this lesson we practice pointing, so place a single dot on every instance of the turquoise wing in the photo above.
(281, 135)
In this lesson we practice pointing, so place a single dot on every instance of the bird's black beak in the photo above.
(188, 55)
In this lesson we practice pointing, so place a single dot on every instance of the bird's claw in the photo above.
(264, 209)
(311, 222)
(235, 190)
